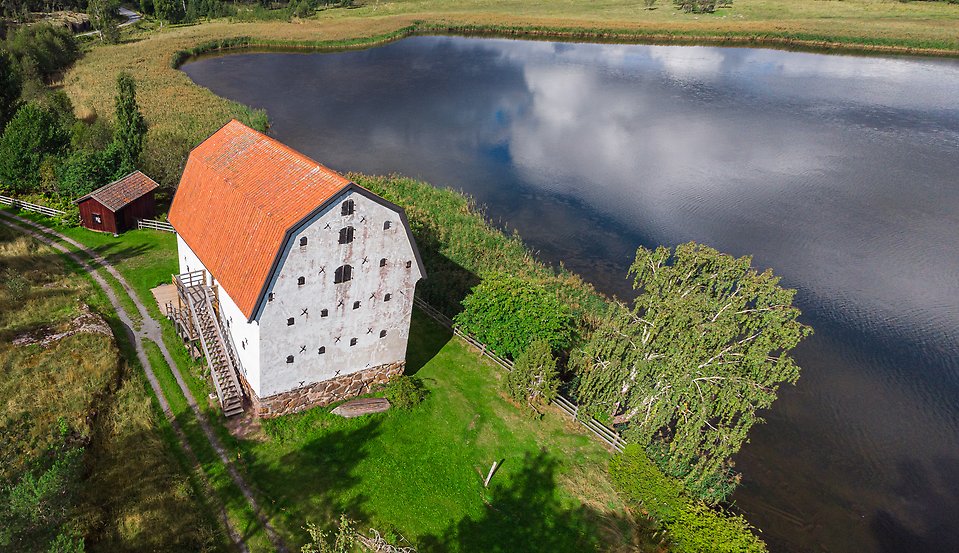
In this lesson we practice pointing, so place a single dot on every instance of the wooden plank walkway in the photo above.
(362, 406)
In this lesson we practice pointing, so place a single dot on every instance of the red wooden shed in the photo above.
(117, 206)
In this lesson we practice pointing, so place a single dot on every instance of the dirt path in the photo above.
(150, 329)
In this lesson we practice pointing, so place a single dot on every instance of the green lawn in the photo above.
(419, 473)
(416, 474)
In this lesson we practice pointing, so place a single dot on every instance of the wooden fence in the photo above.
(19, 204)
(609, 436)
(155, 225)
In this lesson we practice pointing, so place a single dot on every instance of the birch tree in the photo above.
(704, 347)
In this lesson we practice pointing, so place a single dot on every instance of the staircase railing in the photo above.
(218, 353)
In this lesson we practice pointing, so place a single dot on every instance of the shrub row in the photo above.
(692, 526)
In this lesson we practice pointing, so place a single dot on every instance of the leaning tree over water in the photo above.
(704, 347)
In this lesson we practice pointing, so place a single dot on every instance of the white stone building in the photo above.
(314, 275)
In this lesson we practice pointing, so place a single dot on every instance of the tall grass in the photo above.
(79, 395)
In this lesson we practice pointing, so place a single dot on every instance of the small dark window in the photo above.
(243, 344)
(356, 305)
(409, 264)
(270, 296)
(97, 219)
(347, 208)
(352, 341)
(289, 358)
(301, 281)
(343, 273)
(387, 297)
(289, 322)
(387, 225)
(325, 313)
(322, 350)
(383, 262)
(382, 334)
(346, 235)
(302, 241)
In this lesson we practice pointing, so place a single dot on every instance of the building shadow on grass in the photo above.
(446, 285)
(427, 338)
(447, 282)
(316, 481)
(526, 514)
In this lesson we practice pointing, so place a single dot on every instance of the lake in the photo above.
(839, 172)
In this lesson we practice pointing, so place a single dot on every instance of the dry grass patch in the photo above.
(75, 403)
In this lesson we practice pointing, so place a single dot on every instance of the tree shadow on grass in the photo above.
(316, 480)
(116, 253)
(526, 514)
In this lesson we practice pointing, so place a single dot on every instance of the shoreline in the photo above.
(813, 44)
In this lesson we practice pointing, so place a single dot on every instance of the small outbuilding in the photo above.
(117, 206)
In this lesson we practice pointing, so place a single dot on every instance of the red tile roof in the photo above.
(240, 193)
(121, 192)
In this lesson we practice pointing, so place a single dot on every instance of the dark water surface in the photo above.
(840, 173)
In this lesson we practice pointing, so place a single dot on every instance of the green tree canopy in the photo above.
(51, 48)
(33, 134)
(171, 11)
(534, 379)
(10, 86)
(130, 126)
(507, 313)
(705, 345)
(105, 18)
(87, 170)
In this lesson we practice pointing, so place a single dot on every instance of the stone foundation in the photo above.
(321, 393)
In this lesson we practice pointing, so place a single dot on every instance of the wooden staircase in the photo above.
(217, 347)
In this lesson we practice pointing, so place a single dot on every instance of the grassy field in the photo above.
(180, 113)
(419, 473)
(75, 414)
(415, 474)
(431, 489)
(145, 259)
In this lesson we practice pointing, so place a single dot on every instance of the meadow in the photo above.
(85, 451)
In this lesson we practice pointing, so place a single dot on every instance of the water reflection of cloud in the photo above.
(740, 176)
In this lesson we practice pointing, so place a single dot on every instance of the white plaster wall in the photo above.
(246, 335)
(188, 260)
(317, 262)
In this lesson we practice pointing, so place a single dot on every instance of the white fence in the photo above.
(19, 204)
(155, 225)
(609, 436)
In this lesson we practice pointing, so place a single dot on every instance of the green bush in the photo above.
(85, 171)
(534, 378)
(10, 87)
(692, 526)
(508, 313)
(52, 48)
(405, 392)
(33, 134)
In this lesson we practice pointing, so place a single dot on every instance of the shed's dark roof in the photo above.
(121, 192)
